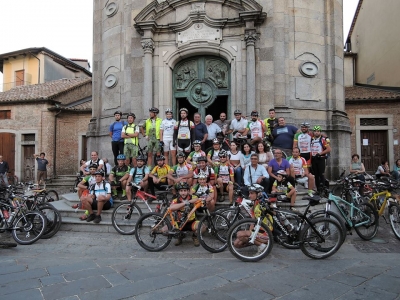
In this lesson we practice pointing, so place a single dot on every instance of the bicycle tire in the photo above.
(151, 237)
(51, 195)
(124, 217)
(212, 231)
(53, 218)
(231, 214)
(394, 217)
(248, 253)
(312, 247)
(329, 214)
(32, 225)
(367, 231)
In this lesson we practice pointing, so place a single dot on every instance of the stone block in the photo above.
(310, 89)
(266, 54)
(266, 67)
(267, 82)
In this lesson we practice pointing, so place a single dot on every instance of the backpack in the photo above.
(92, 187)
(134, 173)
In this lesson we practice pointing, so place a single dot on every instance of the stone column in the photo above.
(148, 48)
(250, 38)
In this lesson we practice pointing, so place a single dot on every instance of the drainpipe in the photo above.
(55, 144)
(39, 66)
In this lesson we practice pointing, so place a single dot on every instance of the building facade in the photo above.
(221, 55)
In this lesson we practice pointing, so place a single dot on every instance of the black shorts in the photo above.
(184, 144)
(106, 205)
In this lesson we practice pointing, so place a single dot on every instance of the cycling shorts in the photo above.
(168, 145)
(184, 145)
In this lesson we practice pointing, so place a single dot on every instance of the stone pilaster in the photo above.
(250, 38)
(148, 48)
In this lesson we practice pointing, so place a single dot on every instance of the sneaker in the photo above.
(196, 242)
(261, 249)
(178, 241)
(90, 218)
(221, 198)
(310, 194)
(97, 219)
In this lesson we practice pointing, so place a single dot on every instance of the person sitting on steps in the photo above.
(282, 185)
(119, 176)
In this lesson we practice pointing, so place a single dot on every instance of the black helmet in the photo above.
(99, 173)
(222, 153)
(141, 157)
(180, 154)
(254, 113)
(93, 166)
(202, 158)
(154, 110)
(131, 115)
(160, 157)
(183, 186)
(237, 112)
(118, 113)
(184, 109)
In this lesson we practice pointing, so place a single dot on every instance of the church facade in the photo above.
(221, 55)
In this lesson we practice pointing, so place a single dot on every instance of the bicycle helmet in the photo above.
(168, 110)
(317, 128)
(252, 188)
(184, 109)
(202, 175)
(154, 110)
(305, 124)
(254, 113)
(121, 157)
(197, 142)
(183, 186)
(202, 158)
(180, 154)
(118, 113)
(282, 173)
(259, 188)
(161, 157)
(131, 115)
(99, 173)
(93, 166)
(141, 157)
(215, 141)
(222, 153)
(237, 112)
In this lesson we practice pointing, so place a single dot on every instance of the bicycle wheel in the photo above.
(152, 232)
(394, 217)
(330, 214)
(28, 228)
(369, 215)
(212, 231)
(232, 214)
(125, 216)
(53, 218)
(315, 247)
(246, 251)
(51, 195)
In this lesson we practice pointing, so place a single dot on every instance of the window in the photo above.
(28, 137)
(5, 114)
(19, 77)
(373, 121)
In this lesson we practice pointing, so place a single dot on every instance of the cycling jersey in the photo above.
(202, 189)
(91, 179)
(184, 128)
(208, 171)
(161, 172)
(318, 145)
(168, 125)
(139, 173)
(195, 155)
(129, 129)
(120, 172)
(213, 154)
(303, 142)
(225, 172)
(182, 170)
(271, 123)
(283, 187)
(299, 164)
(238, 125)
(182, 210)
(256, 128)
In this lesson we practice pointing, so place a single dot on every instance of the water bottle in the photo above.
(285, 222)
(11, 216)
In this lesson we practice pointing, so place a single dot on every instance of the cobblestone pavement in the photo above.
(111, 266)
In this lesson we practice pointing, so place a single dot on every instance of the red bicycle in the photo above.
(126, 214)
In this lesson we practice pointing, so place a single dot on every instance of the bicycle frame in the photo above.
(139, 194)
(375, 198)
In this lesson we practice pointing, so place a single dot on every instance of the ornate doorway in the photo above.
(202, 84)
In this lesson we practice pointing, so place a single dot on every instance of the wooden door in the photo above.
(19, 77)
(7, 149)
(374, 149)
(28, 163)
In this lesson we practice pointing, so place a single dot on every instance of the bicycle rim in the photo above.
(313, 246)
(51, 196)
(29, 228)
(369, 215)
(53, 218)
(232, 214)
(331, 214)
(212, 232)
(152, 232)
(248, 252)
(394, 216)
(125, 216)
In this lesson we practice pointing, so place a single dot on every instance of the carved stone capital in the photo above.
(148, 46)
(250, 37)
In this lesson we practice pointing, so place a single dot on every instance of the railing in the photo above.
(9, 85)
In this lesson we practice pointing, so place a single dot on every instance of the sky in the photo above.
(66, 27)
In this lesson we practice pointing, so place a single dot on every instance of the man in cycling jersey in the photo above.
(299, 171)
(159, 175)
(212, 155)
(271, 122)
(94, 155)
(283, 136)
(204, 189)
(225, 177)
(203, 168)
(184, 132)
(151, 131)
(181, 172)
(302, 140)
(87, 181)
(167, 135)
(130, 134)
(238, 125)
(194, 155)
(282, 185)
(256, 128)
(118, 177)
(319, 152)
(138, 175)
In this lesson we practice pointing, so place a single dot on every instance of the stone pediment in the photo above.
(150, 17)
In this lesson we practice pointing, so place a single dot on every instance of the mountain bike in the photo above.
(154, 232)
(126, 214)
(317, 238)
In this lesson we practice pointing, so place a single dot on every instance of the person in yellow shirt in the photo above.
(130, 135)
(159, 175)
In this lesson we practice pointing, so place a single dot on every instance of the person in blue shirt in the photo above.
(117, 142)
(283, 135)
(255, 173)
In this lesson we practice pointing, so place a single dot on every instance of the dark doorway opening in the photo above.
(217, 107)
(184, 103)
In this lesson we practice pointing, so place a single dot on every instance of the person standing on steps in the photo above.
(117, 142)
(151, 131)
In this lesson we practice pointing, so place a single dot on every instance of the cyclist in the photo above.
(181, 172)
(181, 205)
(282, 185)
(87, 181)
(138, 175)
(194, 155)
(117, 142)
(151, 131)
(130, 135)
(302, 140)
(203, 188)
(270, 123)
(158, 176)
(119, 176)
(238, 125)
(184, 132)
(212, 155)
(242, 237)
(202, 167)
(319, 149)
(225, 176)
(299, 171)
(256, 128)
(167, 135)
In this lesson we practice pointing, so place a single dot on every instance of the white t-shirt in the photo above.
(168, 128)
(238, 125)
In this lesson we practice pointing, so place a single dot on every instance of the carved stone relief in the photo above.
(185, 74)
(201, 92)
(217, 72)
